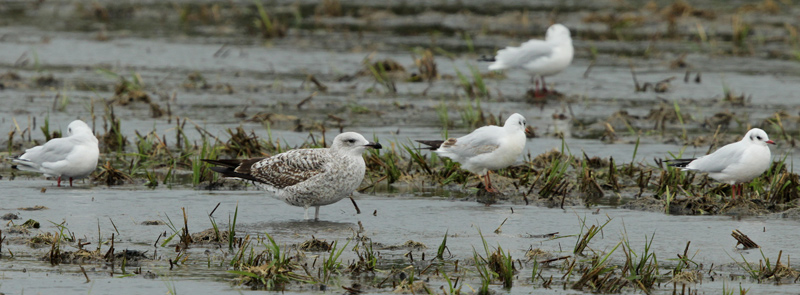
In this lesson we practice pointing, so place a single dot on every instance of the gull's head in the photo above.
(353, 143)
(78, 127)
(757, 136)
(515, 122)
(557, 32)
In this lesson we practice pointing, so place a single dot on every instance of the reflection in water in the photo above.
(299, 227)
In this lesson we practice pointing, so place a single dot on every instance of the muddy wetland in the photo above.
(589, 207)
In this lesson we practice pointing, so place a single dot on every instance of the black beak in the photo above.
(374, 145)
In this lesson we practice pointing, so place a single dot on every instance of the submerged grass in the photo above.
(268, 27)
(474, 88)
(493, 265)
(766, 270)
(155, 159)
(262, 263)
(640, 268)
(553, 178)
(271, 269)
(482, 267)
(587, 237)
(332, 265)
(381, 70)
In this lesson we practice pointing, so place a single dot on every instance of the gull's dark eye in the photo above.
(351, 140)
(758, 137)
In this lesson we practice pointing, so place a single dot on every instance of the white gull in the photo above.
(306, 177)
(486, 148)
(734, 163)
(74, 156)
(539, 58)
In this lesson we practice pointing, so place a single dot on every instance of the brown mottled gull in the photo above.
(306, 177)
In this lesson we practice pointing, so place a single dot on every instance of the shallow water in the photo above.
(386, 219)
(267, 81)
(246, 73)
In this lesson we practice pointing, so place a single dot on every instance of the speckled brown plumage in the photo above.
(306, 177)
(290, 168)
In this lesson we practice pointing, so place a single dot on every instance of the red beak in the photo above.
(770, 142)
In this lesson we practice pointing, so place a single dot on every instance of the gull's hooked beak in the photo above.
(770, 142)
(374, 145)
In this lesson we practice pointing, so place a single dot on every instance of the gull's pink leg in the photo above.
(59, 181)
(544, 85)
(539, 91)
(488, 183)
(70, 182)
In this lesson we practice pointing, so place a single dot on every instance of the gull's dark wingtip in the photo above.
(239, 168)
(224, 162)
(680, 163)
(431, 144)
(487, 58)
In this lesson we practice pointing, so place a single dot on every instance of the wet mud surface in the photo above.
(184, 73)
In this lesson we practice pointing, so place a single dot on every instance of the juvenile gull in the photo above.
(306, 177)
(734, 163)
(74, 156)
(539, 58)
(486, 148)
